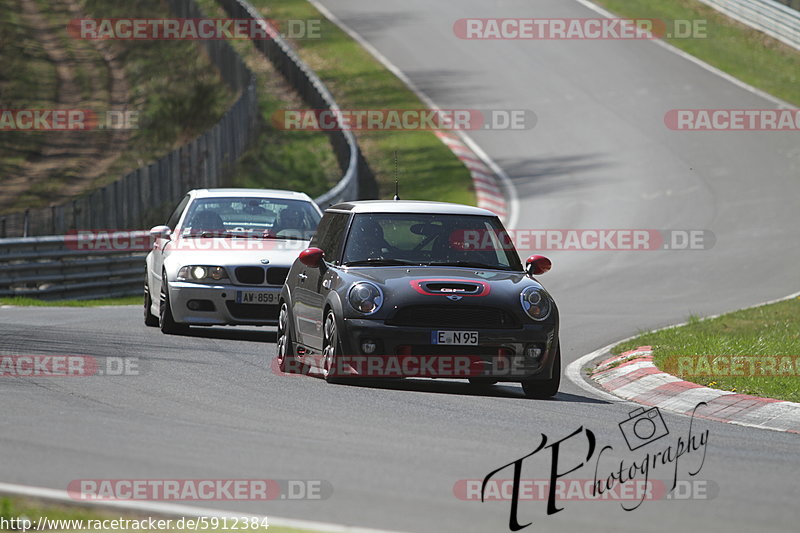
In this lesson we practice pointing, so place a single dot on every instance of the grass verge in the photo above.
(14, 508)
(428, 170)
(754, 351)
(735, 48)
(21, 301)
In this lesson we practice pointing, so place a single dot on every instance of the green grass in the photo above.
(172, 84)
(427, 169)
(770, 330)
(19, 507)
(747, 54)
(33, 302)
(295, 160)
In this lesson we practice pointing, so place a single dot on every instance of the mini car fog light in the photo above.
(368, 346)
(533, 351)
(365, 297)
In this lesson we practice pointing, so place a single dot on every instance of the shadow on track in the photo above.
(233, 334)
(500, 390)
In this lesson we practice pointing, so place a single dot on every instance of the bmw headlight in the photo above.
(202, 274)
(535, 302)
(365, 297)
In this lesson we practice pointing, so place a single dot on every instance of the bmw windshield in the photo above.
(251, 217)
(472, 241)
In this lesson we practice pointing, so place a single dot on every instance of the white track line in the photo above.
(170, 509)
(513, 200)
(699, 62)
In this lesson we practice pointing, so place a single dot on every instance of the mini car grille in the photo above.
(277, 275)
(443, 349)
(252, 311)
(250, 275)
(455, 316)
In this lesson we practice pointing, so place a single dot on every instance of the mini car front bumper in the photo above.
(527, 352)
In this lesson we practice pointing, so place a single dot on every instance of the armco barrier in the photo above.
(52, 268)
(778, 20)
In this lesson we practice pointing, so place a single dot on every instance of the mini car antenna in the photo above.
(396, 183)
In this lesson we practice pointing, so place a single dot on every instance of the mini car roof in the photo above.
(409, 206)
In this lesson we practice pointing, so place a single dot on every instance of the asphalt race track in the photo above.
(208, 405)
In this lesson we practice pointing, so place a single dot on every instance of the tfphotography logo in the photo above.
(627, 480)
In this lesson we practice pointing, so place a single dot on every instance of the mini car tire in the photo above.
(287, 363)
(165, 319)
(545, 388)
(150, 319)
(331, 349)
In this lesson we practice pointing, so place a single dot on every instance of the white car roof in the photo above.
(248, 193)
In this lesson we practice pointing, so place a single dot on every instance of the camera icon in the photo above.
(643, 427)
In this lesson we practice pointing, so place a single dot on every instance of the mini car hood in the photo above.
(230, 252)
(410, 280)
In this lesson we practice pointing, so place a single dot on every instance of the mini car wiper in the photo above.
(468, 264)
(380, 261)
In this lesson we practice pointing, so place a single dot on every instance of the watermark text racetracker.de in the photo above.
(583, 239)
(60, 366)
(144, 29)
(578, 28)
(762, 366)
(733, 119)
(199, 489)
(200, 523)
(67, 120)
(404, 119)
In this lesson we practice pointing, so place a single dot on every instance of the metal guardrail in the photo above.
(773, 18)
(58, 267)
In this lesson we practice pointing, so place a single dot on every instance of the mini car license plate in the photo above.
(454, 337)
(256, 297)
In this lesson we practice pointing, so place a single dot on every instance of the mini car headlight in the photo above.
(202, 273)
(365, 297)
(535, 302)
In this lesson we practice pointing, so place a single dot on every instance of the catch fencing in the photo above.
(54, 267)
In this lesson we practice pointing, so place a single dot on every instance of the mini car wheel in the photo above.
(545, 388)
(332, 350)
(149, 318)
(165, 320)
(286, 360)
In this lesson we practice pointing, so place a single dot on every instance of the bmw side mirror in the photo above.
(537, 265)
(311, 257)
(160, 232)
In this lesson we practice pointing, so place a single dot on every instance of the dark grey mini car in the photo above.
(418, 289)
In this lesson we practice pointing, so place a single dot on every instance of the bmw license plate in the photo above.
(454, 337)
(256, 297)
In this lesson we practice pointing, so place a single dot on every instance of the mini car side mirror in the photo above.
(537, 264)
(160, 232)
(311, 257)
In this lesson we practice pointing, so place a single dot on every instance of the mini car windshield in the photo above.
(386, 239)
(250, 217)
